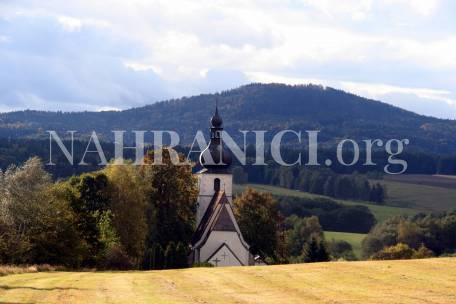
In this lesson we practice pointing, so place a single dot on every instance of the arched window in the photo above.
(217, 184)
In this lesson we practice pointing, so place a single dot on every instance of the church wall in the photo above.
(231, 238)
(206, 190)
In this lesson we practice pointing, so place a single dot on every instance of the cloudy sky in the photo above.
(116, 54)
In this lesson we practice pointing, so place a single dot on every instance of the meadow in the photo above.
(421, 192)
(407, 195)
(381, 212)
(354, 239)
(406, 281)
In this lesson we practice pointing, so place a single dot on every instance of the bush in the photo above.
(397, 252)
(422, 253)
(116, 259)
(341, 250)
(202, 264)
(15, 269)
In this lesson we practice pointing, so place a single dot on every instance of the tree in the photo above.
(300, 232)
(314, 250)
(171, 200)
(22, 192)
(377, 193)
(57, 240)
(329, 186)
(382, 235)
(410, 233)
(170, 255)
(38, 225)
(88, 196)
(258, 216)
(154, 257)
(181, 256)
(128, 204)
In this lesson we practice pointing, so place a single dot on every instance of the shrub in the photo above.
(341, 250)
(15, 269)
(397, 252)
(422, 253)
(202, 264)
(116, 259)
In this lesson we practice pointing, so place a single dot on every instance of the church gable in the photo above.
(224, 221)
(219, 217)
(224, 256)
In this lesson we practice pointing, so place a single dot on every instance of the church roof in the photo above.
(216, 199)
(218, 217)
(215, 157)
(224, 222)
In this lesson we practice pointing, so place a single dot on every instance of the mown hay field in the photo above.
(406, 281)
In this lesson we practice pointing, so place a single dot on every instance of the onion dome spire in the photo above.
(215, 157)
(216, 120)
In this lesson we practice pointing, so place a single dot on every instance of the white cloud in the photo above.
(377, 90)
(407, 97)
(74, 24)
(178, 47)
(141, 67)
(424, 8)
(70, 23)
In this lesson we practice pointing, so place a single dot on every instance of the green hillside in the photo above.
(406, 281)
(379, 211)
(271, 107)
(354, 239)
(422, 192)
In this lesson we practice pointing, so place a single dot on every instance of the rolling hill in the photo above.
(271, 107)
(406, 281)
(381, 212)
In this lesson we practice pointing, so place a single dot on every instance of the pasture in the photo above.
(406, 281)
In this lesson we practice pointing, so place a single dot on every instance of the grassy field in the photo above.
(408, 281)
(422, 192)
(380, 212)
(354, 239)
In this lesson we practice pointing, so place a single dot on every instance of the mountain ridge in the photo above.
(271, 107)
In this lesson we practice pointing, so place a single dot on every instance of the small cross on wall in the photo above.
(224, 255)
(216, 261)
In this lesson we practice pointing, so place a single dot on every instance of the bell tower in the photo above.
(216, 161)
(218, 239)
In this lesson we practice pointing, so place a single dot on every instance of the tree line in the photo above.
(422, 235)
(18, 150)
(139, 217)
(321, 181)
(112, 218)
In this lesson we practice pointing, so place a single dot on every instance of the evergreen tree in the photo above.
(170, 256)
(181, 255)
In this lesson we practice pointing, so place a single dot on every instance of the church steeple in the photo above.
(217, 239)
(216, 120)
(215, 157)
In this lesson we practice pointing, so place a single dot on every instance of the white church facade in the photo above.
(217, 239)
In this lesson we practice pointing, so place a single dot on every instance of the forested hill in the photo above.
(270, 107)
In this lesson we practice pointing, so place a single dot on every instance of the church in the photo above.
(217, 239)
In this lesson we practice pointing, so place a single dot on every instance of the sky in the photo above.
(116, 54)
